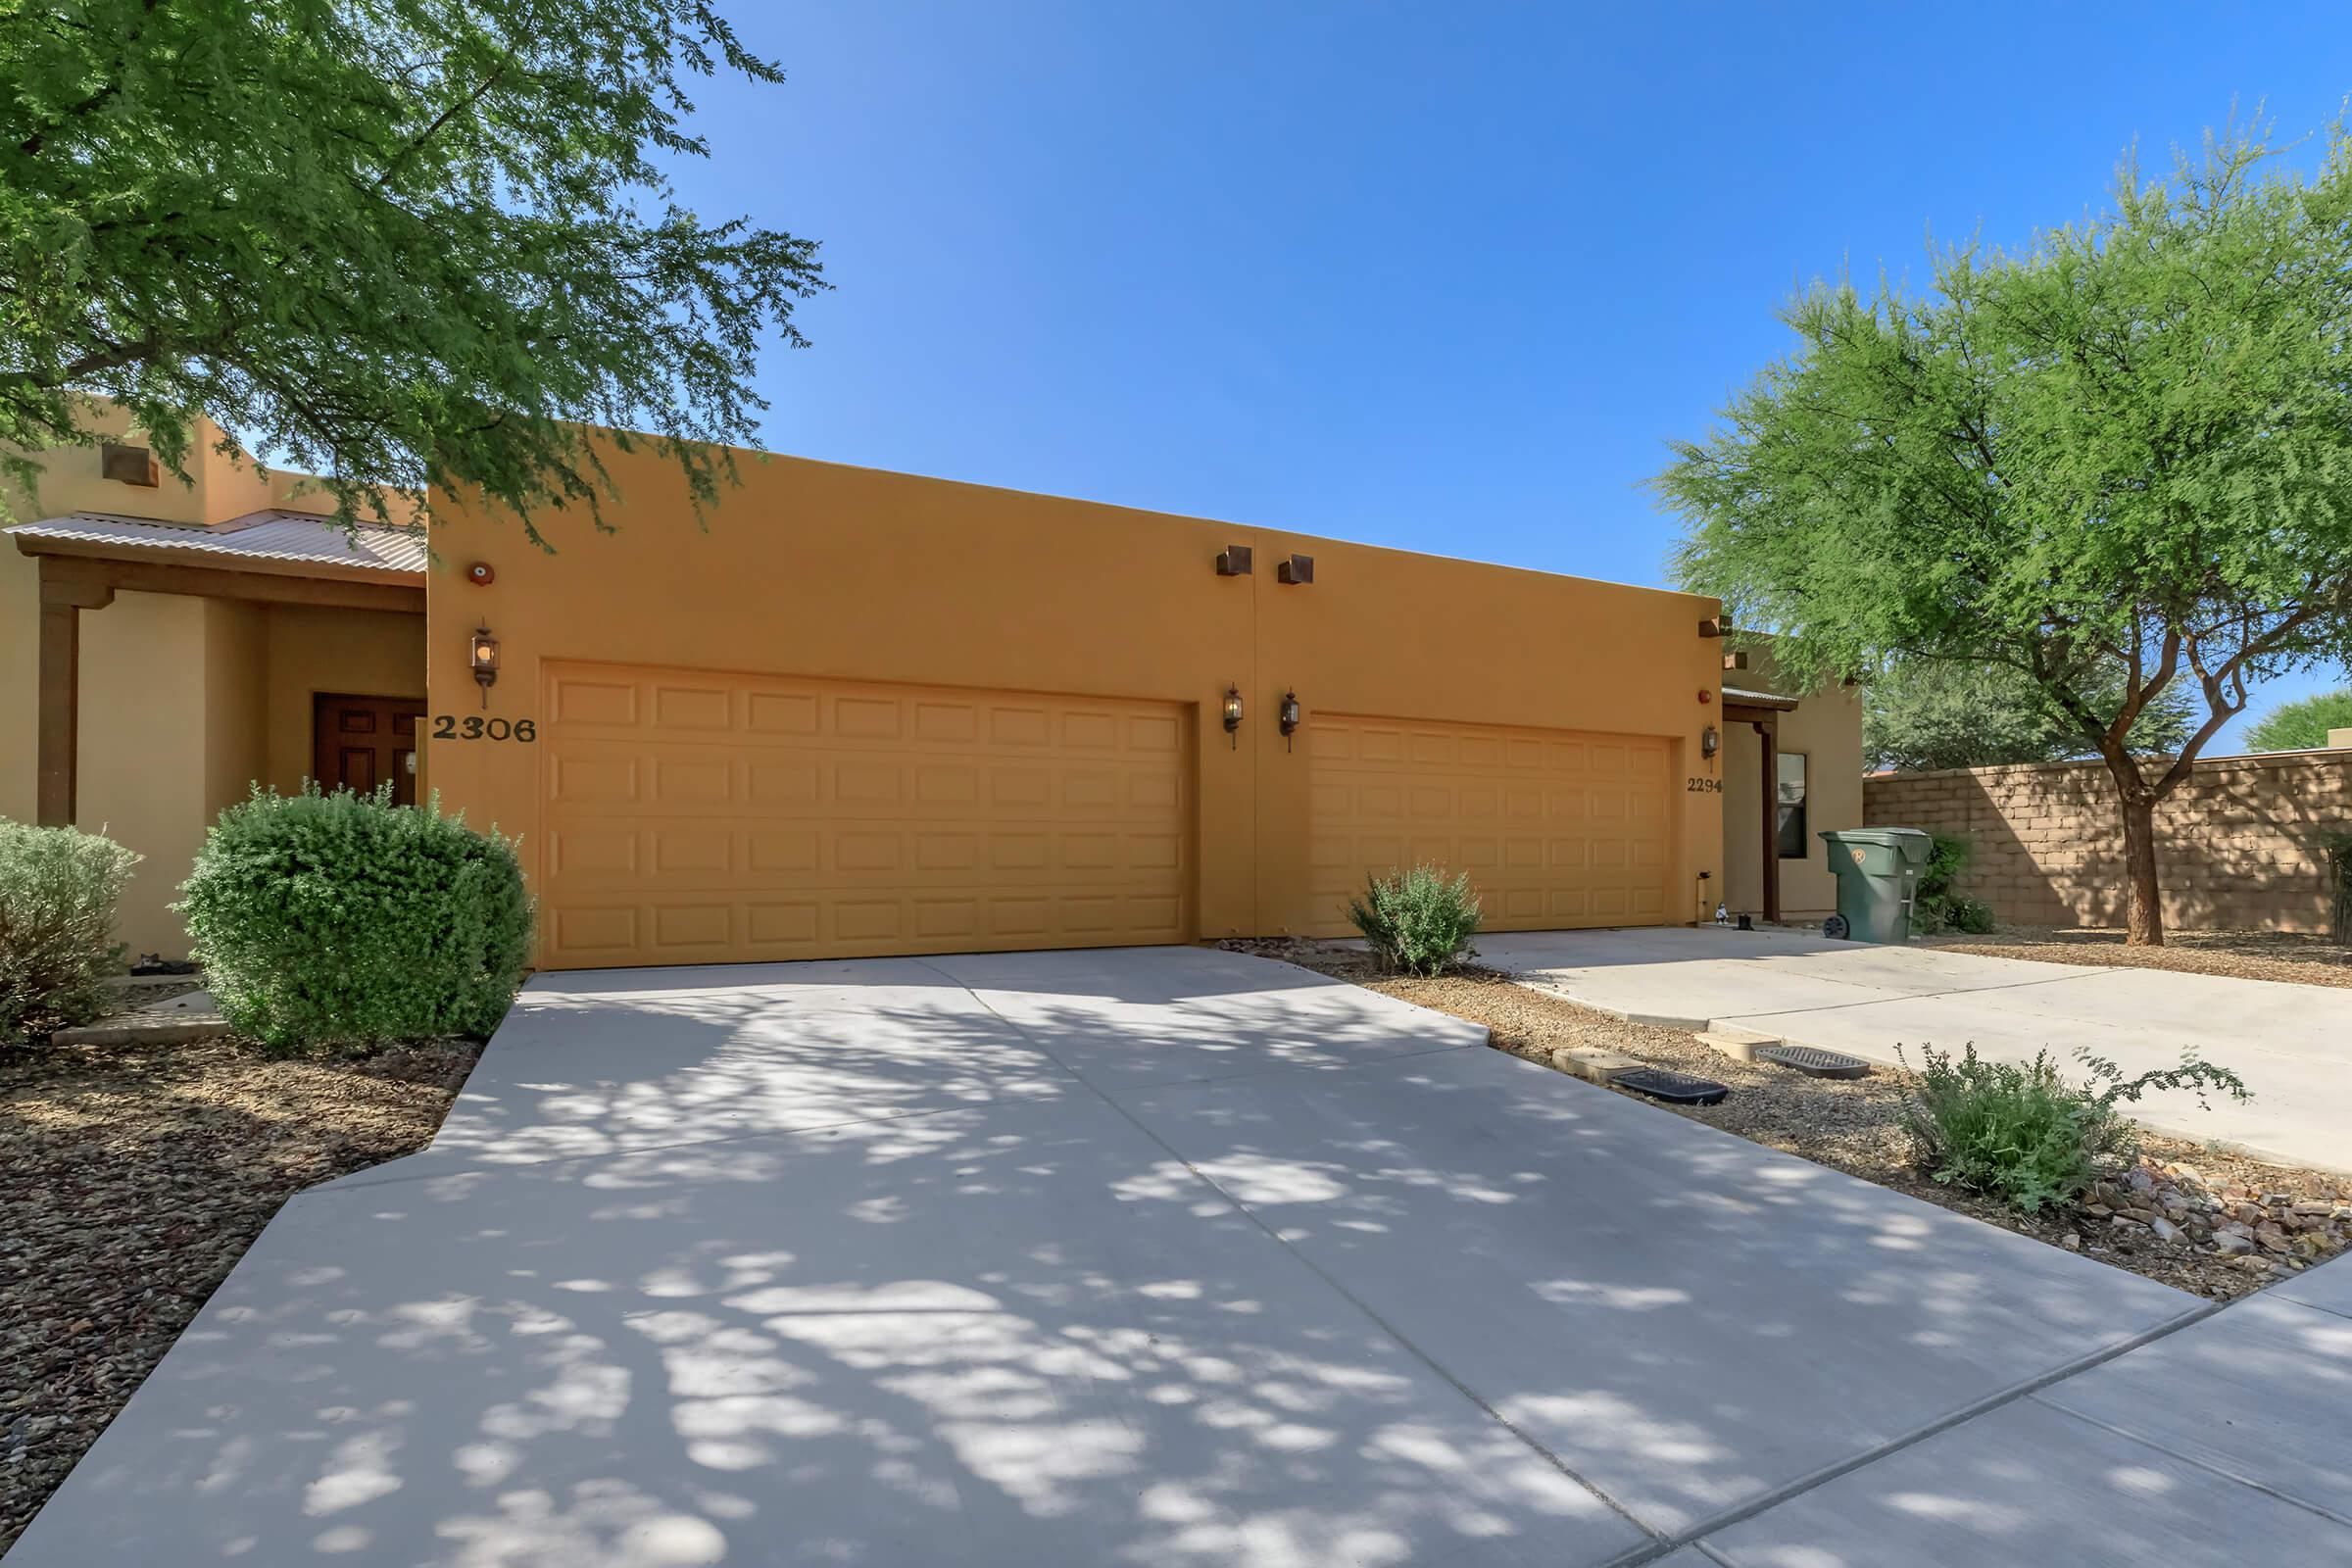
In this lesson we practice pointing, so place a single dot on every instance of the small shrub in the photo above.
(1416, 920)
(57, 892)
(345, 919)
(2339, 849)
(1935, 905)
(2023, 1133)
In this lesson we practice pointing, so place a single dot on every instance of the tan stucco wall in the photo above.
(2237, 845)
(143, 753)
(812, 569)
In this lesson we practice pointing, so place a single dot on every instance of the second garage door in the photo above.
(694, 817)
(1556, 829)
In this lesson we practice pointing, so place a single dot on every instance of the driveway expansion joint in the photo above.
(1696, 1535)
(2208, 1467)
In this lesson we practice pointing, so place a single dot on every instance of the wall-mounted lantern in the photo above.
(1289, 717)
(1296, 570)
(1233, 714)
(1233, 562)
(1709, 742)
(482, 655)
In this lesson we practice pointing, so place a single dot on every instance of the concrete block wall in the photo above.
(2237, 844)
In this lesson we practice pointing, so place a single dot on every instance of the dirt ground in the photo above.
(2243, 954)
(1856, 1126)
(131, 1180)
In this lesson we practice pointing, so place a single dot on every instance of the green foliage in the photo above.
(1921, 713)
(1416, 920)
(2118, 463)
(394, 242)
(2337, 847)
(2301, 726)
(1936, 904)
(57, 892)
(345, 919)
(2024, 1134)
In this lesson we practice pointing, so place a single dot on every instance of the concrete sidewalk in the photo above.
(2291, 1044)
(2226, 1443)
(1148, 1258)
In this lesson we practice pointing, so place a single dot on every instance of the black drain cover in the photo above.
(1814, 1063)
(1678, 1087)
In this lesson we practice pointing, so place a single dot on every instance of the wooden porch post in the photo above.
(1769, 732)
(65, 595)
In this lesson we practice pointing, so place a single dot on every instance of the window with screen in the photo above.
(1794, 841)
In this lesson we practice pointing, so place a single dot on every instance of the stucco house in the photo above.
(856, 712)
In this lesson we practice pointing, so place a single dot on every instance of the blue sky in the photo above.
(1443, 277)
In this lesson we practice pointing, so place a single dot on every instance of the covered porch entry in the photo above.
(180, 664)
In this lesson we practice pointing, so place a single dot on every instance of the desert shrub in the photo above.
(2023, 1133)
(57, 892)
(345, 919)
(1935, 905)
(2338, 847)
(1416, 920)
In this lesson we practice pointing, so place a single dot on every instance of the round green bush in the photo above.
(345, 919)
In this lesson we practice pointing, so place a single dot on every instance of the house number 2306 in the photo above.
(474, 727)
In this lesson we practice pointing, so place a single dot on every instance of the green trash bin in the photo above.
(1878, 876)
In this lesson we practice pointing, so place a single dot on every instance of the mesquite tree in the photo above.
(2126, 449)
(399, 243)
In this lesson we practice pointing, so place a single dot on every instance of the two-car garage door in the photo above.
(693, 817)
(696, 818)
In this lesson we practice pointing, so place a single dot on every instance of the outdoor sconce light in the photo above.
(1709, 742)
(1296, 570)
(1289, 717)
(1233, 562)
(482, 654)
(1233, 713)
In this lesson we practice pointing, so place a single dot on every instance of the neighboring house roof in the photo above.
(1748, 699)
(291, 542)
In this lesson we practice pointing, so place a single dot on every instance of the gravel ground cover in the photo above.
(2310, 961)
(2191, 1215)
(131, 1180)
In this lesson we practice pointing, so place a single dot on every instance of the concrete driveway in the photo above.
(1151, 1256)
(2291, 1044)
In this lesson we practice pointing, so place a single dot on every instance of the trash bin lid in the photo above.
(1913, 843)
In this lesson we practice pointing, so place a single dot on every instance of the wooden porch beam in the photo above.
(218, 582)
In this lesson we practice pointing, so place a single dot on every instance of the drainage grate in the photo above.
(1814, 1063)
(1678, 1087)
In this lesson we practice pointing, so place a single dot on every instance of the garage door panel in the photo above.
(693, 816)
(1555, 829)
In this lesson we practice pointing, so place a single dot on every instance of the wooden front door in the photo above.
(362, 741)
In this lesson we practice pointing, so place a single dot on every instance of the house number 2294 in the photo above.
(1703, 786)
(474, 727)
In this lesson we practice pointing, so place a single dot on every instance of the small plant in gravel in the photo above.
(1416, 920)
(57, 892)
(343, 918)
(2023, 1133)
